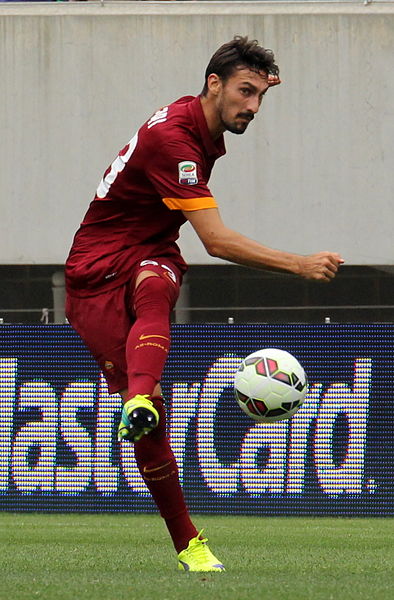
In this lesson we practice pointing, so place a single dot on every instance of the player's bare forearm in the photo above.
(227, 244)
(236, 248)
(239, 249)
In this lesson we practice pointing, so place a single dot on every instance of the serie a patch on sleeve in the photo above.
(187, 172)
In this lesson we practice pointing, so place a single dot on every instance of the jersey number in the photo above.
(117, 166)
(120, 161)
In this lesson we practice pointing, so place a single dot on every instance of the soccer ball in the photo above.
(270, 385)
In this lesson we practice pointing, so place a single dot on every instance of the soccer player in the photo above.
(124, 269)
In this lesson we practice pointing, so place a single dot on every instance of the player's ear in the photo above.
(214, 84)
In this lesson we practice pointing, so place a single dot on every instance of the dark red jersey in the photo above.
(137, 211)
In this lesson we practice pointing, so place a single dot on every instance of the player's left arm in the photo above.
(225, 243)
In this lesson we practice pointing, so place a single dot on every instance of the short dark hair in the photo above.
(240, 52)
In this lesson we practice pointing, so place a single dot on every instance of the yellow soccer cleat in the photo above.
(198, 557)
(139, 417)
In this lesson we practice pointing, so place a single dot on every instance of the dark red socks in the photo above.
(159, 470)
(148, 342)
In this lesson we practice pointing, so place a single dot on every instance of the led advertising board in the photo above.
(58, 447)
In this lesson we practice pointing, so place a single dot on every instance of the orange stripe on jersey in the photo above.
(190, 203)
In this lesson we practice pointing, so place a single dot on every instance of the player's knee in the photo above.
(154, 293)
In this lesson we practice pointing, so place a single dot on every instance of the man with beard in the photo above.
(124, 269)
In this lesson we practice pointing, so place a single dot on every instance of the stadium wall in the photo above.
(58, 424)
(313, 172)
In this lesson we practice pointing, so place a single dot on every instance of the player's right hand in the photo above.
(322, 266)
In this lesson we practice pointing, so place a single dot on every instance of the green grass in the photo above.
(126, 556)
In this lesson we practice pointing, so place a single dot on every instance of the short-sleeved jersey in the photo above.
(137, 211)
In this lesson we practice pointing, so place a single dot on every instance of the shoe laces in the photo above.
(199, 547)
(137, 401)
(200, 538)
(140, 397)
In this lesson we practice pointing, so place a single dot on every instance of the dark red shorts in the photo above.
(104, 321)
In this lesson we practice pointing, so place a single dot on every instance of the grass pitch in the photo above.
(127, 556)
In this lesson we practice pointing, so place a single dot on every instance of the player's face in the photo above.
(239, 99)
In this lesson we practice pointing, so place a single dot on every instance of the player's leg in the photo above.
(104, 324)
(148, 342)
(147, 347)
(158, 468)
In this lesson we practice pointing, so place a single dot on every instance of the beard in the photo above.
(235, 126)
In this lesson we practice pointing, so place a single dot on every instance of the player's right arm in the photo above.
(227, 244)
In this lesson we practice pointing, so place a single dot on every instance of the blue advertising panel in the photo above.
(58, 448)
